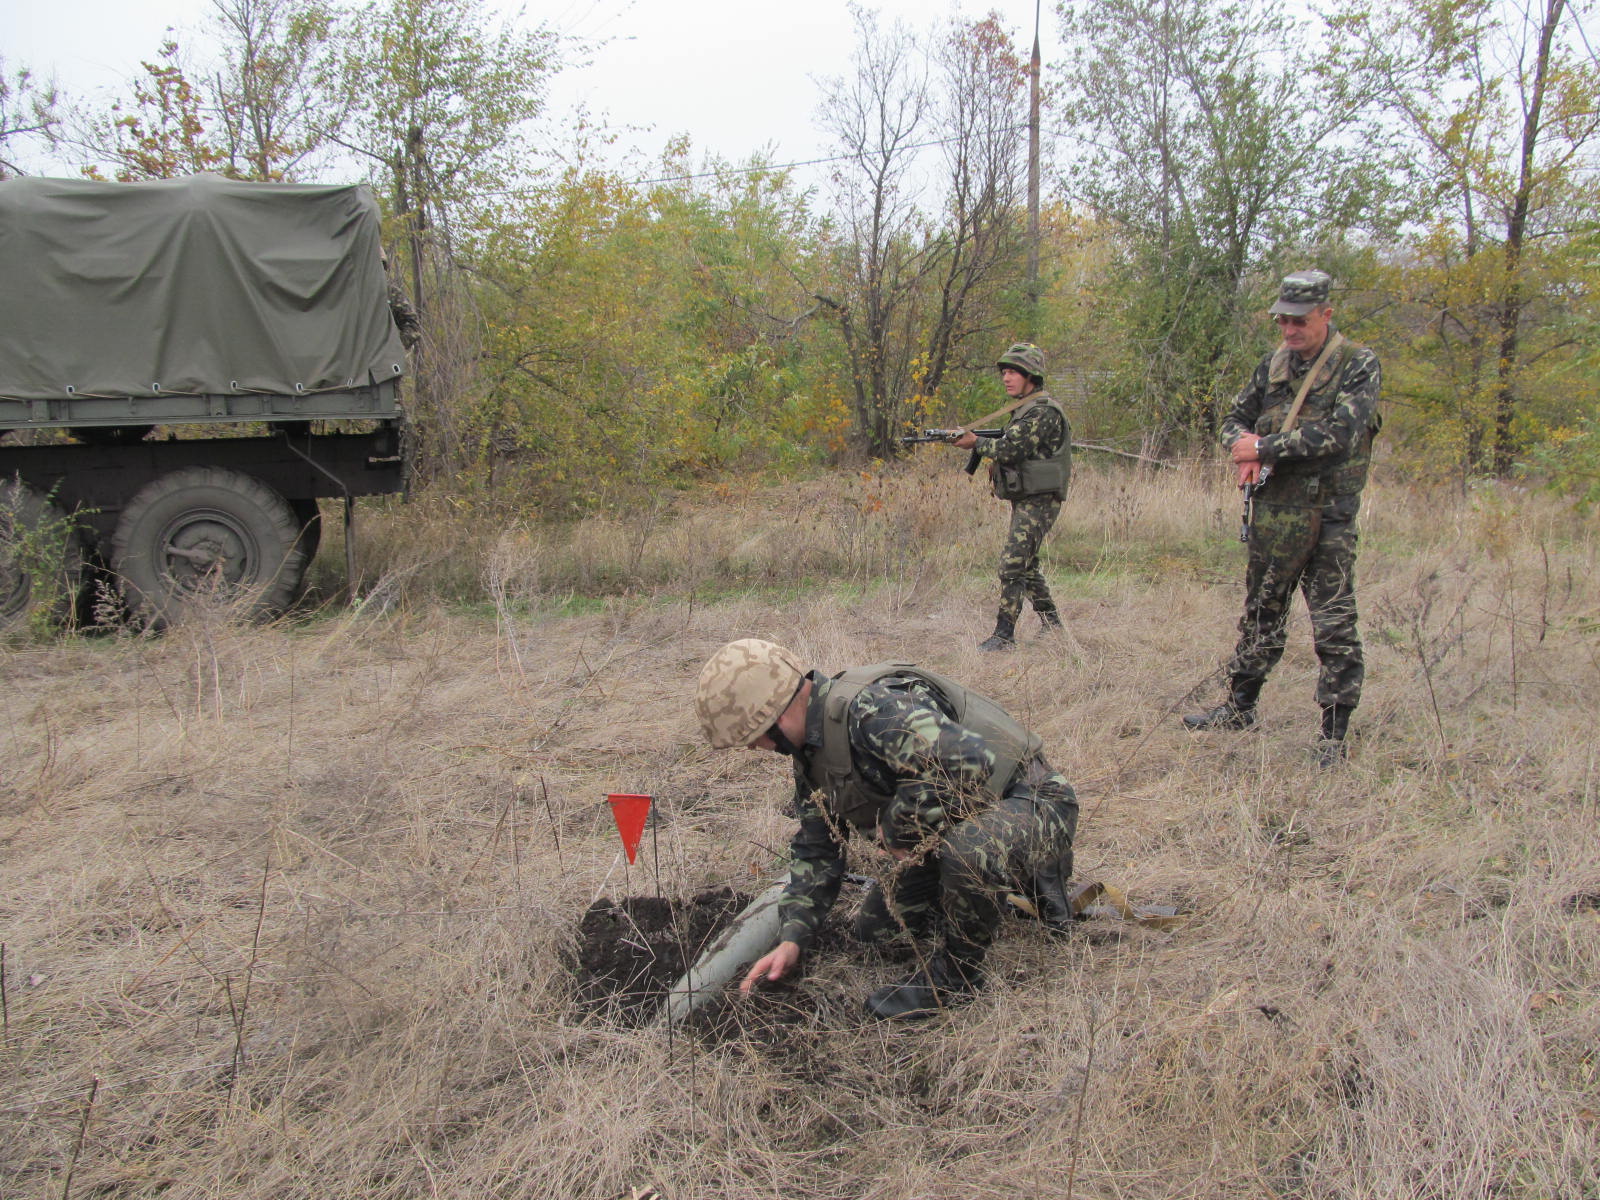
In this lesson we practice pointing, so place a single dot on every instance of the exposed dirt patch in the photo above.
(630, 953)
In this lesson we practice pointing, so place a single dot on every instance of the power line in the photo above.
(810, 162)
(755, 169)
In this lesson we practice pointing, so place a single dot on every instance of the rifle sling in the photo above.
(1001, 412)
(1333, 344)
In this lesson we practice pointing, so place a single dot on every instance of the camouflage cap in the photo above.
(1302, 292)
(1024, 357)
(742, 689)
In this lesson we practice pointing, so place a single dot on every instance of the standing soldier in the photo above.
(1030, 464)
(1300, 434)
(954, 789)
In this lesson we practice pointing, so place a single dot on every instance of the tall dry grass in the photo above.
(284, 909)
(910, 525)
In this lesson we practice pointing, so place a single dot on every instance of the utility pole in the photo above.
(1033, 182)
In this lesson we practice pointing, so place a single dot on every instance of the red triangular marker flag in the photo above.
(629, 812)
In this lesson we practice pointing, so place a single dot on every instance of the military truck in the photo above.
(187, 367)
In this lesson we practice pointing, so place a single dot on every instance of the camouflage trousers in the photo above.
(1313, 549)
(961, 886)
(1020, 577)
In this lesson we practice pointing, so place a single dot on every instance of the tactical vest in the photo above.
(851, 799)
(1318, 480)
(1038, 476)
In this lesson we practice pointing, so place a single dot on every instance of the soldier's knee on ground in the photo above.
(874, 924)
(913, 915)
(972, 881)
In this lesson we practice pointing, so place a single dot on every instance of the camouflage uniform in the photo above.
(904, 745)
(405, 316)
(1038, 430)
(401, 309)
(1304, 531)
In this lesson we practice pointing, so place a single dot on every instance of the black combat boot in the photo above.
(1331, 750)
(1050, 894)
(1050, 617)
(1004, 636)
(948, 981)
(1238, 711)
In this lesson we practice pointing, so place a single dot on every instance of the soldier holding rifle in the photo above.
(1030, 464)
(1300, 436)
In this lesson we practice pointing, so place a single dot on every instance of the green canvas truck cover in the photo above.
(197, 285)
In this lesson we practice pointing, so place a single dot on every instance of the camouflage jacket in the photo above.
(1037, 437)
(904, 743)
(405, 316)
(1327, 452)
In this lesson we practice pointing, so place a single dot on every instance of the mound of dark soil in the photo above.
(629, 954)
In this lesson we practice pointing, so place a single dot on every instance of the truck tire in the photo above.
(204, 536)
(56, 550)
(309, 517)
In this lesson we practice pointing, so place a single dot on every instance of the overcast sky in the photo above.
(737, 76)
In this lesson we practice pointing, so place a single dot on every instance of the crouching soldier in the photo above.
(956, 790)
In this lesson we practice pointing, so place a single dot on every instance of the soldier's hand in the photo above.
(774, 965)
(1249, 472)
(1243, 449)
(966, 441)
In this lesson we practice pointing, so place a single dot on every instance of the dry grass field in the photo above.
(289, 912)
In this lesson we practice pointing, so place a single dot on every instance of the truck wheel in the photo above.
(309, 517)
(207, 535)
(41, 557)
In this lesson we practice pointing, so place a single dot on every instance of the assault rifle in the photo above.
(950, 435)
(1250, 490)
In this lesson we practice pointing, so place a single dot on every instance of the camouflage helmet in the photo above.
(1024, 357)
(742, 689)
(1301, 293)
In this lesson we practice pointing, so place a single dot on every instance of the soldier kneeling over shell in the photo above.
(944, 780)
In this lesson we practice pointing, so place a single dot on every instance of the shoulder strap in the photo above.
(1000, 412)
(1334, 343)
(842, 689)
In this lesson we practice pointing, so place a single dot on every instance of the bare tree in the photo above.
(274, 90)
(30, 111)
(879, 115)
(1558, 100)
(920, 251)
(981, 107)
